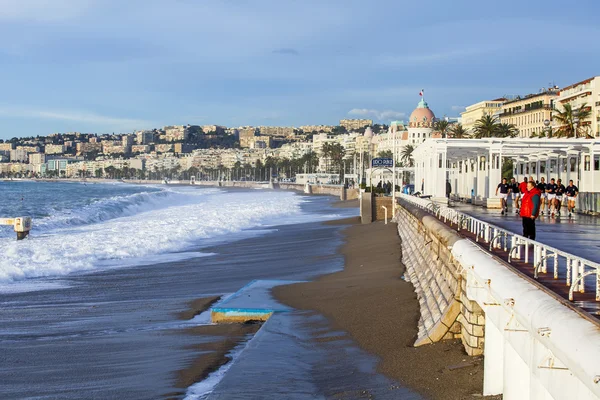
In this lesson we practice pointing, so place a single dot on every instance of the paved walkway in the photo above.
(578, 235)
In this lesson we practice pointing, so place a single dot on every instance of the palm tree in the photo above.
(566, 119)
(326, 153)
(507, 130)
(486, 126)
(458, 132)
(336, 154)
(442, 127)
(385, 154)
(406, 155)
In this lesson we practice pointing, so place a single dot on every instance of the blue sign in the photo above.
(382, 162)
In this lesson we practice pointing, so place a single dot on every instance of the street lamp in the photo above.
(547, 128)
(575, 123)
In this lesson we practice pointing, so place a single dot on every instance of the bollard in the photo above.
(21, 225)
(385, 210)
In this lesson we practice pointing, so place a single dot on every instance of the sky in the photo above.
(117, 66)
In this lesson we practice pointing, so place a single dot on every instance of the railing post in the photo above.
(545, 262)
(581, 273)
(574, 273)
(569, 265)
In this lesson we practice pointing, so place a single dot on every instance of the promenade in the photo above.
(579, 234)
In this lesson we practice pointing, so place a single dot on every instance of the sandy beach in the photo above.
(370, 300)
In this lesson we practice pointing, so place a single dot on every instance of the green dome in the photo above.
(422, 104)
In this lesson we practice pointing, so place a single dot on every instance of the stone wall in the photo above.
(439, 281)
(378, 211)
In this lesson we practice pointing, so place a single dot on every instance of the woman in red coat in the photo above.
(530, 209)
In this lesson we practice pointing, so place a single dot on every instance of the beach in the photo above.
(139, 328)
(370, 300)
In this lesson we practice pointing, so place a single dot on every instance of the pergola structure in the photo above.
(474, 166)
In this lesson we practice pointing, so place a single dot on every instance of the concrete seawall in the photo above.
(536, 345)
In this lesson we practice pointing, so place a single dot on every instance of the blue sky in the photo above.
(116, 66)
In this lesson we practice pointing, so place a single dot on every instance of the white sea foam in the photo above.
(120, 206)
(162, 223)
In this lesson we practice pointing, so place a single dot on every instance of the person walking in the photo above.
(504, 188)
(514, 193)
(572, 191)
(541, 186)
(530, 209)
(560, 191)
(551, 196)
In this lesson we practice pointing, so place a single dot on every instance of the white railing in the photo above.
(574, 269)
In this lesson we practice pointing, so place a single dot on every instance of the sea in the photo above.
(89, 301)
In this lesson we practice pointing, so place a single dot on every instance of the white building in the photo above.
(474, 167)
(583, 93)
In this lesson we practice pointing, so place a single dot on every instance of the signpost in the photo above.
(382, 163)
(385, 163)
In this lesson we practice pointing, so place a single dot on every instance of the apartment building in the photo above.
(474, 112)
(586, 93)
(19, 155)
(316, 128)
(140, 148)
(7, 146)
(83, 147)
(353, 124)
(284, 131)
(37, 158)
(176, 133)
(528, 114)
(144, 137)
(54, 149)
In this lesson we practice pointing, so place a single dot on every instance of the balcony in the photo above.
(525, 110)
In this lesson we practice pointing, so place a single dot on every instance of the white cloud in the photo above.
(82, 117)
(376, 114)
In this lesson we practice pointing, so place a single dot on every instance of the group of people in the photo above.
(386, 186)
(531, 197)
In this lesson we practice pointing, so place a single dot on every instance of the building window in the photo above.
(573, 163)
(596, 162)
(586, 163)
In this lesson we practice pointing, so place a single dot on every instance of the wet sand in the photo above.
(370, 301)
(211, 354)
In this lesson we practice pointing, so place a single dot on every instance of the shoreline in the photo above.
(370, 301)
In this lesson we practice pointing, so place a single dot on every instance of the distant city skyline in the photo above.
(109, 66)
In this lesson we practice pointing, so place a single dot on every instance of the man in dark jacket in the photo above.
(530, 209)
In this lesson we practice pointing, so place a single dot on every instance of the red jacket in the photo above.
(527, 204)
(523, 187)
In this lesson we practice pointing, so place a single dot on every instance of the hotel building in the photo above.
(586, 93)
(528, 114)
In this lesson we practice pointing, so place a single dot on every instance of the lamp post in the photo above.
(547, 128)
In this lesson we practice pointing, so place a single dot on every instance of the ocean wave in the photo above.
(118, 206)
(174, 222)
